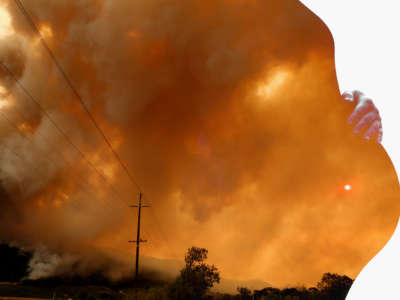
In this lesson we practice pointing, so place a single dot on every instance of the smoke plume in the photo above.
(226, 112)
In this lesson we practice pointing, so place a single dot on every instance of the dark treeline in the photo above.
(197, 278)
(193, 283)
(331, 287)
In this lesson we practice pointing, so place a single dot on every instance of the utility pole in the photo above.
(138, 240)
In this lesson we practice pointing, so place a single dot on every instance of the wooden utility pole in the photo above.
(138, 240)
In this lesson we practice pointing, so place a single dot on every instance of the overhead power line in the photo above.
(31, 98)
(115, 193)
(78, 97)
(75, 92)
(58, 128)
(31, 141)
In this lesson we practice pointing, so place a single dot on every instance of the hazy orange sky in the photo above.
(228, 115)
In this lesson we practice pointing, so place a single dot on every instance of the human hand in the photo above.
(365, 117)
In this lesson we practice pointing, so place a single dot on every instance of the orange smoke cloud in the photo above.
(228, 114)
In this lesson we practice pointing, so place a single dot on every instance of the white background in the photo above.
(367, 53)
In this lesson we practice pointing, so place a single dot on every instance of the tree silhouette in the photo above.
(196, 278)
(334, 286)
(244, 293)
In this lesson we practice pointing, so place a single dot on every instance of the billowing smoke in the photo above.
(226, 112)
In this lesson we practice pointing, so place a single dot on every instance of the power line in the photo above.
(75, 92)
(62, 132)
(58, 128)
(32, 142)
(66, 137)
(22, 115)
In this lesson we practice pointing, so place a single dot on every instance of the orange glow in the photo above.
(4, 100)
(64, 196)
(25, 128)
(347, 187)
(40, 203)
(133, 34)
(5, 23)
(57, 203)
(233, 127)
(108, 169)
(46, 31)
(4, 103)
(274, 84)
